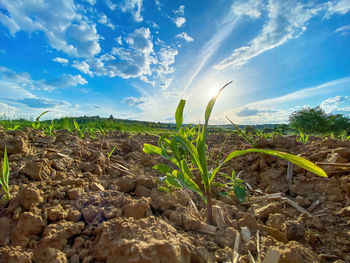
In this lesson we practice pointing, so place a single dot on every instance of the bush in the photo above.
(316, 120)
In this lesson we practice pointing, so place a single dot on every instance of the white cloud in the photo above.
(15, 84)
(179, 21)
(112, 6)
(60, 60)
(278, 109)
(136, 102)
(166, 59)
(2, 51)
(336, 104)
(338, 7)
(19, 99)
(82, 66)
(91, 2)
(66, 81)
(180, 11)
(119, 40)
(134, 7)
(304, 93)
(286, 20)
(7, 111)
(140, 40)
(344, 30)
(251, 8)
(134, 61)
(158, 4)
(184, 36)
(104, 20)
(66, 30)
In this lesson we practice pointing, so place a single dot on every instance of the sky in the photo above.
(135, 59)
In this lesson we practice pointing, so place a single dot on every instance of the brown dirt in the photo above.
(71, 204)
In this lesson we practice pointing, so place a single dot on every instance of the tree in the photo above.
(339, 123)
(310, 120)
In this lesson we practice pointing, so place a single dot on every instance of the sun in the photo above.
(213, 92)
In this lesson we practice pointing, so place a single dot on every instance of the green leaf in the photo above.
(149, 148)
(110, 154)
(38, 118)
(301, 162)
(219, 185)
(202, 156)
(76, 125)
(190, 149)
(164, 189)
(240, 192)
(179, 114)
(163, 168)
(187, 182)
(173, 180)
(211, 103)
(186, 169)
(6, 168)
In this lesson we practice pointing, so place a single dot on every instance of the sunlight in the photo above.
(213, 92)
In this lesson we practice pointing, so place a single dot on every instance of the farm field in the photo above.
(171, 131)
(73, 199)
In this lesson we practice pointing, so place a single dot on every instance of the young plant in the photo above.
(102, 130)
(190, 158)
(77, 128)
(49, 129)
(14, 128)
(245, 135)
(36, 125)
(110, 154)
(235, 186)
(303, 137)
(5, 174)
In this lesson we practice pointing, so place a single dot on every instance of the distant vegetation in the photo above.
(317, 121)
(303, 122)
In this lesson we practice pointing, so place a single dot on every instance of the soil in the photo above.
(70, 203)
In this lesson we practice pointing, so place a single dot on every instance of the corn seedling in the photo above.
(303, 138)
(244, 134)
(102, 130)
(110, 154)
(5, 174)
(92, 133)
(14, 128)
(77, 128)
(49, 129)
(235, 186)
(190, 158)
(36, 125)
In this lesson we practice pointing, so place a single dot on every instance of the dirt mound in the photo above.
(70, 203)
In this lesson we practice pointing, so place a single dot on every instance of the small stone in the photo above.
(78, 243)
(96, 187)
(29, 197)
(73, 215)
(126, 183)
(137, 209)
(142, 191)
(295, 230)
(276, 221)
(75, 193)
(56, 213)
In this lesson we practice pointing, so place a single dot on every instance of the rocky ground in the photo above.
(71, 204)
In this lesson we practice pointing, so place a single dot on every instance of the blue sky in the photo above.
(136, 59)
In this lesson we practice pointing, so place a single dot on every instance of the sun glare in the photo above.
(213, 92)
